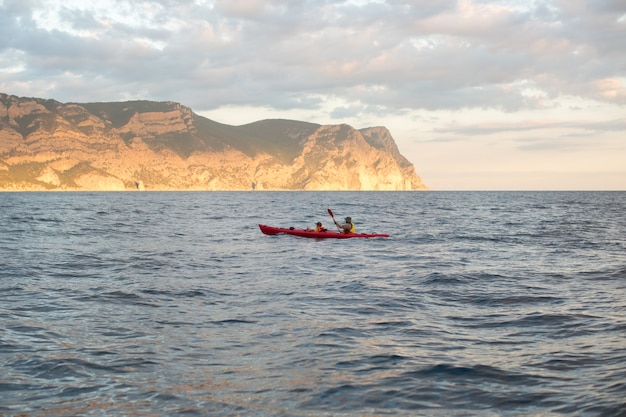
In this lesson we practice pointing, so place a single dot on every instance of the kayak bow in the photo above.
(270, 230)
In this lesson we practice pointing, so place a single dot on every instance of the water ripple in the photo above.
(481, 304)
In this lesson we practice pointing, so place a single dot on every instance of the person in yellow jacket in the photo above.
(347, 227)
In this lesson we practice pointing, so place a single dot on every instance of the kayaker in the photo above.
(319, 227)
(348, 226)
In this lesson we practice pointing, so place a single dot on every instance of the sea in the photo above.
(175, 304)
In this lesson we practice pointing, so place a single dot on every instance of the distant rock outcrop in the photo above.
(143, 145)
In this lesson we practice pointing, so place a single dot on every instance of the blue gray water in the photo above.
(168, 304)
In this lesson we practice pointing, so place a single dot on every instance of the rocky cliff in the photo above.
(143, 145)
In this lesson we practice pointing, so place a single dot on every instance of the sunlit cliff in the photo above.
(143, 145)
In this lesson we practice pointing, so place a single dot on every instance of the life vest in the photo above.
(320, 229)
(352, 229)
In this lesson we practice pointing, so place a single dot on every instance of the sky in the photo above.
(478, 94)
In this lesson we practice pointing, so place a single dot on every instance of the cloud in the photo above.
(615, 125)
(392, 55)
(247, 9)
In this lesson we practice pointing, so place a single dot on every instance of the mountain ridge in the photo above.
(148, 145)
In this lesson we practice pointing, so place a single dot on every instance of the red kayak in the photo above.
(270, 230)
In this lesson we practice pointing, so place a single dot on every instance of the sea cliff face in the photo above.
(143, 145)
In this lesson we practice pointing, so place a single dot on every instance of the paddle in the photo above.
(334, 221)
